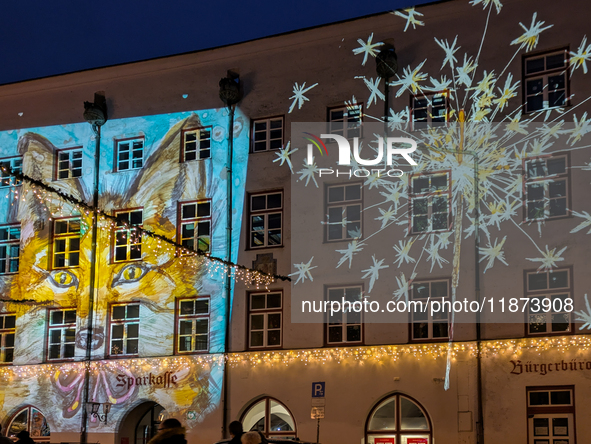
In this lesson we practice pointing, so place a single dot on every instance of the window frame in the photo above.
(344, 204)
(549, 292)
(265, 312)
(7, 177)
(429, 96)
(266, 212)
(196, 220)
(198, 149)
(67, 236)
(397, 432)
(111, 322)
(344, 108)
(128, 246)
(62, 327)
(429, 320)
(429, 196)
(544, 74)
(550, 410)
(57, 161)
(267, 417)
(178, 318)
(3, 332)
(566, 176)
(29, 409)
(116, 167)
(9, 244)
(327, 323)
(267, 139)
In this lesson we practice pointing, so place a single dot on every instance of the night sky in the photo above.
(44, 38)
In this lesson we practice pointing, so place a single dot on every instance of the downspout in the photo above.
(230, 95)
(95, 114)
(479, 400)
(480, 430)
(386, 68)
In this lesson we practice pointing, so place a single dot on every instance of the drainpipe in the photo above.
(95, 114)
(386, 68)
(230, 95)
(474, 155)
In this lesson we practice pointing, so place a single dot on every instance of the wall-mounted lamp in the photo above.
(230, 92)
(95, 112)
(387, 62)
(94, 409)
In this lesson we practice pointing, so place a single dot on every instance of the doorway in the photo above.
(141, 424)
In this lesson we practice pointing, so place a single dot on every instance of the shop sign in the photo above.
(549, 367)
(417, 441)
(165, 380)
(384, 440)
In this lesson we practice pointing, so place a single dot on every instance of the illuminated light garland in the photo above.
(371, 354)
(8, 373)
(383, 353)
(360, 355)
(46, 195)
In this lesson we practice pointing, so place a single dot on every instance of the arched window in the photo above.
(31, 420)
(270, 417)
(398, 419)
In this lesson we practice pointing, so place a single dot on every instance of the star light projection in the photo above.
(298, 95)
(478, 100)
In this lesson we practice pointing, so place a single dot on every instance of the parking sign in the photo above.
(318, 389)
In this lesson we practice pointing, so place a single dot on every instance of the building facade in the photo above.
(494, 212)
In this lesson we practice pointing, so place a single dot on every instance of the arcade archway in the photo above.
(140, 424)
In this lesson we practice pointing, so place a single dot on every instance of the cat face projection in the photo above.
(132, 269)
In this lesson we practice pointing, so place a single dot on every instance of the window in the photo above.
(193, 325)
(6, 180)
(398, 419)
(10, 236)
(196, 144)
(129, 154)
(551, 415)
(69, 163)
(430, 110)
(546, 187)
(425, 325)
(346, 325)
(66, 243)
(125, 329)
(31, 420)
(267, 134)
(265, 319)
(128, 237)
(61, 334)
(345, 120)
(548, 309)
(546, 80)
(343, 212)
(430, 203)
(271, 418)
(7, 329)
(195, 225)
(266, 220)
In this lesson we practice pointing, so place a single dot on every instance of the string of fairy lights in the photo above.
(361, 355)
(69, 205)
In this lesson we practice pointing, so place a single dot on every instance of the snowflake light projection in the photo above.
(485, 144)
